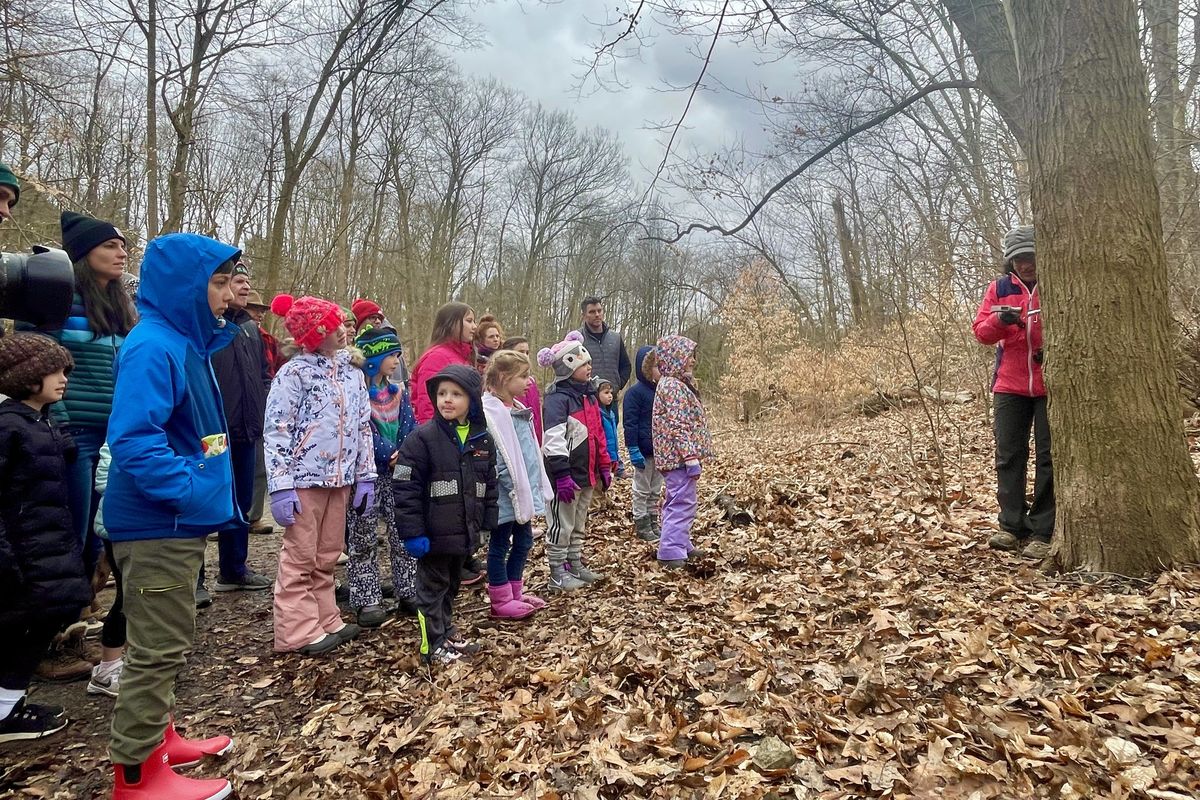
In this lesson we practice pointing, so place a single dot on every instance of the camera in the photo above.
(36, 287)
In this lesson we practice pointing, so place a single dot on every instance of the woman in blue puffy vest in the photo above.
(101, 316)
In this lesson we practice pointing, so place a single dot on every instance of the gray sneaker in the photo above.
(563, 581)
(249, 582)
(583, 573)
(106, 681)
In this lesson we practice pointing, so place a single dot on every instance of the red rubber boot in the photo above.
(155, 780)
(183, 752)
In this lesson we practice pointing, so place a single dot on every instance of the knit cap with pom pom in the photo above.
(566, 356)
(308, 319)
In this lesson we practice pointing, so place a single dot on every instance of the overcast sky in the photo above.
(535, 48)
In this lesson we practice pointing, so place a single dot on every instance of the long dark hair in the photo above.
(109, 310)
(447, 323)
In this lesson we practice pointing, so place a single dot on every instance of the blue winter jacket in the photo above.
(637, 408)
(171, 474)
(609, 417)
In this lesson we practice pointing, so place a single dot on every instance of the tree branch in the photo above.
(824, 151)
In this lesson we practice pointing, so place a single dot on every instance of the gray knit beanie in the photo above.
(1018, 242)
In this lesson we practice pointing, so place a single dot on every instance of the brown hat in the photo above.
(27, 358)
(256, 301)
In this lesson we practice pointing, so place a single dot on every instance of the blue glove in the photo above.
(364, 496)
(285, 505)
(417, 547)
(636, 458)
(692, 467)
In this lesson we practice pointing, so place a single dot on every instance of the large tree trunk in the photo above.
(1128, 499)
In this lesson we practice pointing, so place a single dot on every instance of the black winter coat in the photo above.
(41, 564)
(445, 490)
(244, 378)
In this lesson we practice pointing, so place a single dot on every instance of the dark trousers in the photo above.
(1015, 416)
(113, 634)
(233, 543)
(508, 551)
(25, 645)
(438, 577)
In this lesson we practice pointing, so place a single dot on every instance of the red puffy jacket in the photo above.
(1018, 347)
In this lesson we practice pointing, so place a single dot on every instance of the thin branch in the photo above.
(824, 151)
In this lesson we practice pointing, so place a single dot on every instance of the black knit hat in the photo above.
(27, 358)
(81, 233)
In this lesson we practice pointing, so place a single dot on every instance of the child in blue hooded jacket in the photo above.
(170, 483)
(638, 412)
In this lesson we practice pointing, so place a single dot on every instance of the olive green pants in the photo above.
(159, 584)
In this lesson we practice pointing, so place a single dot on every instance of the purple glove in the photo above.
(606, 474)
(364, 496)
(285, 505)
(565, 489)
(692, 468)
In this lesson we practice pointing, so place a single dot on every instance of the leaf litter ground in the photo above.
(852, 642)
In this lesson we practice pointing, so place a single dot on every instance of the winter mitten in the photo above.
(692, 467)
(364, 496)
(636, 458)
(606, 477)
(285, 505)
(417, 547)
(1010, 318)
(565, 489)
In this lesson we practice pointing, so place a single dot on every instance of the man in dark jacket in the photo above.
(607, 349)
(244, 379)
(42, 583)
(446, 499)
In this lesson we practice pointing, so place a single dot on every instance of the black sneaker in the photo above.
(203, 598)
(249, 582)
(31, 721)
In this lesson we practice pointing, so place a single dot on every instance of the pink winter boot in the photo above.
(518, 592)
(503, 604)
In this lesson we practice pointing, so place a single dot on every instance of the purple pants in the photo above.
(679, 510)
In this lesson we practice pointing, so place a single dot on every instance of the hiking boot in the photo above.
(1036, 550)
(154, 778)
(203, 598)
(1003, 540)
(106, 679)
(322, 645)
(645, 529)
(249, 582)
(696, 554)
(405, 607)
(372, 616)
(583, 573)
(442, 657)
(31, 721)
(183, 752)
(563, 581)
(62, 666)
(672, 563)
(262, 529)
(504, 606)
(74, 642)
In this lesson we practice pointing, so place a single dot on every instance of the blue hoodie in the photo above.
(637, 409)
(171, 473)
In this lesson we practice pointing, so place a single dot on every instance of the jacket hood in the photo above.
(673, 353)
(468, 379)
(174, 286)
(642, 352)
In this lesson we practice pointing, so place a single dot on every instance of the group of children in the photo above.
(344, 451)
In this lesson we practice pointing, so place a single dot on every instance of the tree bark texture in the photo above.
(1128, 498)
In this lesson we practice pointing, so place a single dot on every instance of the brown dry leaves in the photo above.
(882, 642)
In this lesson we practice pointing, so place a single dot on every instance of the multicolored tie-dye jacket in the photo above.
(318, 424)
(680, 426)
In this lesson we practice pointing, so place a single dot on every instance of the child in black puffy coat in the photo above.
(445, 491)
(42, 582)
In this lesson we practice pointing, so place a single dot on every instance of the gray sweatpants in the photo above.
(647, 490)
(566, 524)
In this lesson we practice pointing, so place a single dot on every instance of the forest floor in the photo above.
(891, 652)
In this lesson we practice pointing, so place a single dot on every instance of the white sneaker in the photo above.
(106, 681)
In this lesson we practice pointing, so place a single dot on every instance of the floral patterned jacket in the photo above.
(318, 424)
(679, 426)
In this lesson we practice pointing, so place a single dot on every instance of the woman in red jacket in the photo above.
(451, 343)
(1010, 318)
